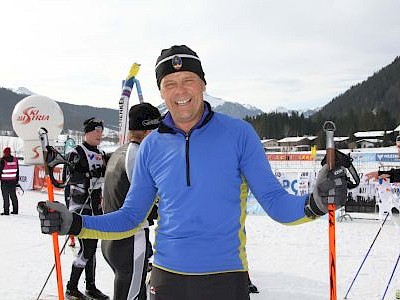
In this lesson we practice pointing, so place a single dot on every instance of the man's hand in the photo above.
(330, 185)
(54, 217)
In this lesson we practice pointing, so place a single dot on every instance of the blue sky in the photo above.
(295, 54)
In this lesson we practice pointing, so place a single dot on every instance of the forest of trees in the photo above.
(280, 125)
(373, 104)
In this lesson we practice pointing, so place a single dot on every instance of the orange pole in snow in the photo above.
(329, 128)
(50, 192)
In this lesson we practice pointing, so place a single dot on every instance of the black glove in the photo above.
(329, 186)
(55, 217)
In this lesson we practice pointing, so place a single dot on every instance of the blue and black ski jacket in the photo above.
(202, 180)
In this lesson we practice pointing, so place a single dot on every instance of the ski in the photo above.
(124, 102)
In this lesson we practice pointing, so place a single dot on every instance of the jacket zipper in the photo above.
(187, 159)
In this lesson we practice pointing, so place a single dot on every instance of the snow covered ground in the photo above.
(285, 262)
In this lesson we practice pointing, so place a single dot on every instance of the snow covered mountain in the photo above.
(230, 108)
(306, 112)
(23, 91)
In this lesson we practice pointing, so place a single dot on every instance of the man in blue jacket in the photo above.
(200, 164)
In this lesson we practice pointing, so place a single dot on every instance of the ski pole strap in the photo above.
(343, 160)
(54, 159)
(48, 156)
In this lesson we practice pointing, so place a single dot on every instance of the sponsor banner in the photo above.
(359, 157)
(39, 181)
(387, 157)
(30, 114)
(26, 177)
(290, 156)
(296, 183)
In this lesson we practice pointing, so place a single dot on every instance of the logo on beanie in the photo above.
(153, 122)
(177, 62)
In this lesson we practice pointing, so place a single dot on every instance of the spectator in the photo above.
(9, 176)
(129, 257)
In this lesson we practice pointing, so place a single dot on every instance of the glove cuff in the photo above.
(311, 209)
(76, 225)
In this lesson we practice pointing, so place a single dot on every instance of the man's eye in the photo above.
(170, 85)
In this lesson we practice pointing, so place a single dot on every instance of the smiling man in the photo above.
(199, 163)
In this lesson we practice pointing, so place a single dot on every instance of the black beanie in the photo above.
(175, 59)
(91, 124)
(144, 116)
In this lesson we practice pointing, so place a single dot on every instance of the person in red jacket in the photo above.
(9, 177)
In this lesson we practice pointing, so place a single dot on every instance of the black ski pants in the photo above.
(86, 258)
(9, 192)
(222, 286)
(128, 258)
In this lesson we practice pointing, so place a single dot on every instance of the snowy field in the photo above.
(285, 262)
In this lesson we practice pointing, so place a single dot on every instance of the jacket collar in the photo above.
(167, 124)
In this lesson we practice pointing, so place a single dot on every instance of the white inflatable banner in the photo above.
(29, 115)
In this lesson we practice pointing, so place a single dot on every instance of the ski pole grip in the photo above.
(50, 220)
(329, 128)
(44, 139)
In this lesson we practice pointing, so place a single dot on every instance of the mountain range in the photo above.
(75, 114)
(373, 104)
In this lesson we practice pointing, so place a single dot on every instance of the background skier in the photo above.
(85, 194)
(129, 257)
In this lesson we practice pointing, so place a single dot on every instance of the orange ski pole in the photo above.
(329, 128)
(45, 142)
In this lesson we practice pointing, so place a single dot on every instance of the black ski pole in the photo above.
(391, 277)
(51, 271)
(365, 257)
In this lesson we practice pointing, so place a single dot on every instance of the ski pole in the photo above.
(139, 91)
(45, 142)
(124, 102)
(65, 243)
(365, 257)
(52, 269)
(329, 128)
(391, 277)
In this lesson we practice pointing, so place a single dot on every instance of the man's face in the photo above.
(93, 137)
(183, 96)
